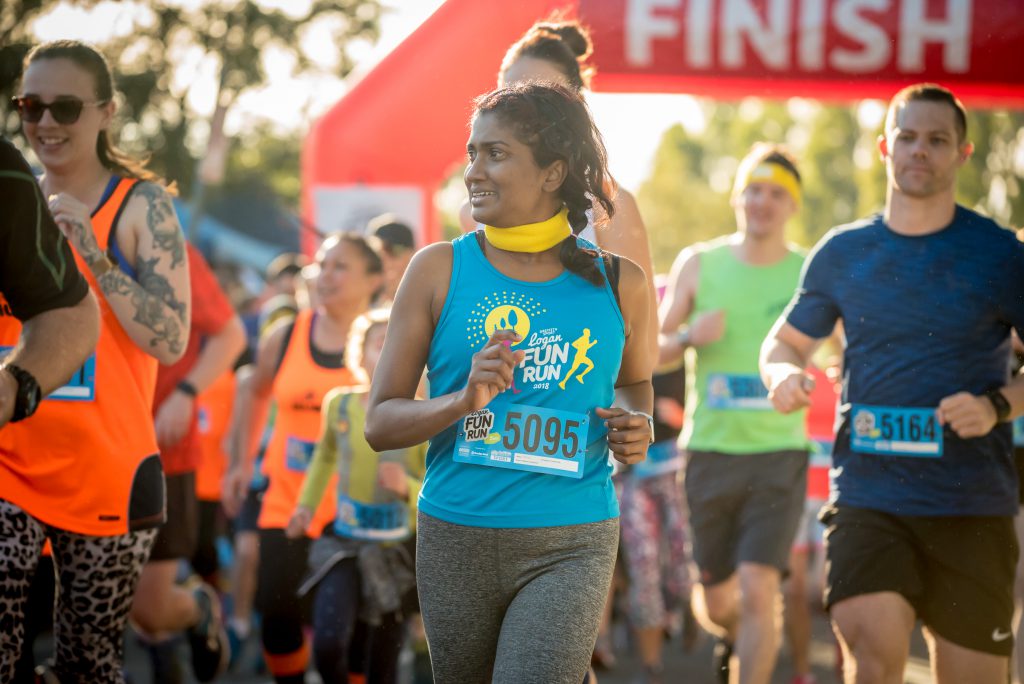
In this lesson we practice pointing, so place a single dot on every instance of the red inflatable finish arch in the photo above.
(390, 142)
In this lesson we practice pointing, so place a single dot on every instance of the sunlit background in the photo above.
(296, 58)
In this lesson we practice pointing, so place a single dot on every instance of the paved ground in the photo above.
(693, 668)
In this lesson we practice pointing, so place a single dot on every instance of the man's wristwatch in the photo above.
(28, 396)
(650, 424)
(1000, 404)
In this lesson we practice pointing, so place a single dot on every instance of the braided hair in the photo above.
(555, 124)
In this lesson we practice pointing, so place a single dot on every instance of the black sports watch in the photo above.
(1000, 404)
(27, 399)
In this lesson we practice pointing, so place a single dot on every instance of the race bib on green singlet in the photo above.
(736, 391)
(531, 438)
(891, 431)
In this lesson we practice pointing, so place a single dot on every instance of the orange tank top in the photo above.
(299, 389)
(87, 460)
(214, 414)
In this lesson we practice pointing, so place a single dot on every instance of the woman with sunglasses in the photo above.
(530, 336)
(84, 471)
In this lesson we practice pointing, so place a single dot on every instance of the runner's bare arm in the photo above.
(677, 305)
(971, 415)
(395, 419)
(626, 235)
(256, 405)
(628, 431)
(218, 354)
(154, 310)
(53, 345)
(251, 409)
(785, 354)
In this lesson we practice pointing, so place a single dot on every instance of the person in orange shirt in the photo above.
(297, 363)
(162, 608)
(213, 412)
(60, 327)
(84, 470)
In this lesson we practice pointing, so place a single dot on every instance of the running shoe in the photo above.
(211, 651)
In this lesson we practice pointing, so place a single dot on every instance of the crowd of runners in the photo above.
(475, 450)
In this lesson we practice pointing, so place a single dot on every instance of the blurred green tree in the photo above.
(266, 157)
(155, 119)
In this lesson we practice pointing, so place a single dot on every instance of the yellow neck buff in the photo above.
(768, 172)
(533, 237)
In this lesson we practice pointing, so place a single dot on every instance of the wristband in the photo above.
(1000, 404)
(102, 266)
(186, 387)
(650, 423)
(683, 337)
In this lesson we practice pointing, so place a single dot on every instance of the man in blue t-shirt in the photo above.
(920, 523)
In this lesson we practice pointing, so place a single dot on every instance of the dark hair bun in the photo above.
(575, 37)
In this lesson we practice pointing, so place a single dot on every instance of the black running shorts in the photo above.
(956, 572)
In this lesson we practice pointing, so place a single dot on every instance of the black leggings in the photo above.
(337, 648)
(211, 525)
(282, 568)
(96, 579)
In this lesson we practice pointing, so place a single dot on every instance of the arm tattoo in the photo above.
(162, 221)
(149, 308)
(157, 285)
(80, 239)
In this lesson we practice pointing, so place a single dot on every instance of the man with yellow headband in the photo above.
(747, 464)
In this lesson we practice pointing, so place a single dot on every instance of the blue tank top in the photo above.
(537, 455)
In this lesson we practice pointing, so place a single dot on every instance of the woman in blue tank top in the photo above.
(536, 372)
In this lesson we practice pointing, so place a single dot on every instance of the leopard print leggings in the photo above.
(96, 578)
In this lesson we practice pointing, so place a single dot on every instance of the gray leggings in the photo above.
(96, 578)
(519, 606)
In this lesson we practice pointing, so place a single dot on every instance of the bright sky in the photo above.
(632, 124)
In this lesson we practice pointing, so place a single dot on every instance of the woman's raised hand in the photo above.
(491, 372)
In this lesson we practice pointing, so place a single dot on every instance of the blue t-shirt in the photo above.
(506, 466)
(925, 317)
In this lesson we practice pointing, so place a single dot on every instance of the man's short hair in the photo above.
(394, 234)
(928, 92)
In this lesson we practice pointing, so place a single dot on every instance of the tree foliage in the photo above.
(155, 119)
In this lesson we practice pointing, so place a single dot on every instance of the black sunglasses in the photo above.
(65, 109)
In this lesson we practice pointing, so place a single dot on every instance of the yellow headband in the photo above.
(769, 172)
(533, 237)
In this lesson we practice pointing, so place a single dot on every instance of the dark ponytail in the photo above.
(556, 125)
(92, 60)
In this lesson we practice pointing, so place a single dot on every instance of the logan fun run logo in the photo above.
(547, 353)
